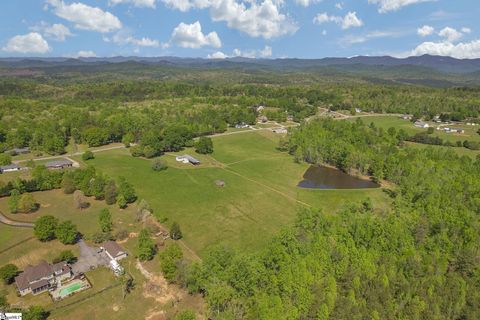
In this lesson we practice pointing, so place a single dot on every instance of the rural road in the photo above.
(71, 154)
(13, 223)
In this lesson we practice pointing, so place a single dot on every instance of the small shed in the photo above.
(10, 168)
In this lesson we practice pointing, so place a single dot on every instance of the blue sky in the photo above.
(249, 28)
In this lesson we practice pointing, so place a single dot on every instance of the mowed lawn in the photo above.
(260, 196)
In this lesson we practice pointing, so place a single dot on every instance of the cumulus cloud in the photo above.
(468, 50)
(255, 18)
(339, 5)
(86, 17)
(57, 31)
(32, 42)
(385, 6)
(425, 31)
(136, 3)
(350, 20)
(466, 30)
(217, 55)
(264, 53)
(191, 36)
(450, 34)
(125, 38)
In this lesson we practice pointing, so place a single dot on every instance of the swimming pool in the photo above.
(70, 289)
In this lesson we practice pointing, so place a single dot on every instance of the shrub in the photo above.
(159, 165)
(88, 155)
(175, 232)
(67, 256)
(8, 273)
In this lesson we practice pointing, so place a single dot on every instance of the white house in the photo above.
(114, 251)
(186, 158)
(421, 124)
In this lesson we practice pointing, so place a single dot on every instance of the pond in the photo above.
(320, 177)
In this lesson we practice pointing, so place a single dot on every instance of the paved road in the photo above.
(13, 223)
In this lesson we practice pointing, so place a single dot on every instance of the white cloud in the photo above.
(425, 31)
(349, 40)
(56, 31)
(217, 55)
(350, 20)
(191, 36)
(450, 34)
(85, 17)
(306, 3)
(185, 5)
(136, 3)
(266, 52)
(324, 32)
(85, 54)
(256, 18)
(466, 30)
(394, 5)
(339, 5)
(125, 38)
(32, 42)
(468, 50)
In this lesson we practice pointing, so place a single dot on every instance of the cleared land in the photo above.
(260, 196)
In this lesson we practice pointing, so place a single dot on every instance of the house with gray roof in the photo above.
(186, 158)
(59, 164)
(42, 277)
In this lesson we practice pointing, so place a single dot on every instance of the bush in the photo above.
(99, 237)
(204, 145)
(67, 256)
(8, 273)
(146, 248)
(27, 203)
(175, 232)
(149, 152)
(5, 159)
(185, 315)
(121, 234)
(88, 155)
(136, 151)
(159, 165)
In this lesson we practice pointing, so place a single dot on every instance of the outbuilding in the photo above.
(186, 158)
(59, 164)
(10, 168)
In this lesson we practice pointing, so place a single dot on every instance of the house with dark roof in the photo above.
(113, 250)
(42, 277)
(16, 151)
(59, 164)
(10, 168)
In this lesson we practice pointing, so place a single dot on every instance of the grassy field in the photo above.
(260, 196)
(398, 123)
(60, 205)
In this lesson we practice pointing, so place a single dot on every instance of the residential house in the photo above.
(10, 168)
(42, 277)
(59, 164)
(421, 124)
(186, 158)
(114, 251)
(280, 130)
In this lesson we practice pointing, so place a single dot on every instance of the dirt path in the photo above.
(66, 156)
(12, 223)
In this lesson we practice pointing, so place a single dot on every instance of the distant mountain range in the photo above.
(437, 63)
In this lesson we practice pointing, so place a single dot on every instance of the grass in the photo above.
(398, 123)
(260, 196)
(60, 205)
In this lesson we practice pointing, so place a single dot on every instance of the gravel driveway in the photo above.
(89, 258)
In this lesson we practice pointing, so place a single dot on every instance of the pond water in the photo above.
(320, 177)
